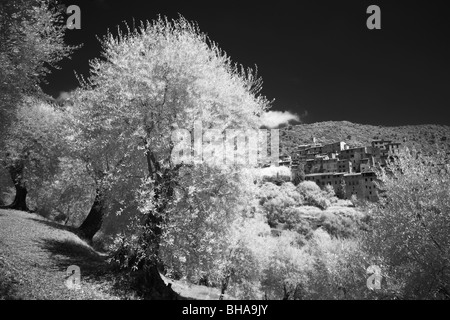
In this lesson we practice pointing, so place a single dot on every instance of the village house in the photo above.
(338, 165)
(285, 161)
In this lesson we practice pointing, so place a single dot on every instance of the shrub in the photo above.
(411, 225)
(285, 275)
(342, 222)
(275, 174)
(314, 196)
(275, 200)
(296, 220)
(339, 270)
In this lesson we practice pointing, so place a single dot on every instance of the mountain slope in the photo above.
(35, 254)
(421, 137)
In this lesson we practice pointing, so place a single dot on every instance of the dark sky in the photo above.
(315, 57)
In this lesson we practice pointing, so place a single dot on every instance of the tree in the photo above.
(245, 259)
(338, 269)
(314, 196)
(68, 194)
(341, 192)
(286, 272)
(209, 227)
(115, 165)
(31, 43)
(411, 224)
(299, 174)
(275, 201)
(34, 143)
(161, 76)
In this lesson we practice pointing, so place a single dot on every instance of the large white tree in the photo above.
(162, 76)
(113, 162)
(33, 144)
(411, 225)
(31, 44)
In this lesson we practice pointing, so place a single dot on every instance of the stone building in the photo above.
(338, 165)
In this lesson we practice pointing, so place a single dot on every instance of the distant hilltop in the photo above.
(426, 138)
(349, 171)
(342, 155)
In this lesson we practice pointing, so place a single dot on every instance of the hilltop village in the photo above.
(348, 170)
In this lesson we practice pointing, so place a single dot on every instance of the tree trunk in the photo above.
(224, 286)
(153, 284)
(286, 293)
(20, 199)
(94, 219)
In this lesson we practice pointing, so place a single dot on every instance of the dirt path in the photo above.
(35, 254)
(34, 257)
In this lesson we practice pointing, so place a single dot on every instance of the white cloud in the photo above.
(63, 95)
(273, 119)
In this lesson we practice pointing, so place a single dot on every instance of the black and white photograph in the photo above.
(225, 155)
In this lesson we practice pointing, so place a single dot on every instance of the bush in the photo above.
(324, 268)
(275, 200)
(339, 270)
(277, 175)
(285, 276)
(68, 196)
(314, 196)
(411, 225)
(337, 226)
(342, 222)
(296, 220)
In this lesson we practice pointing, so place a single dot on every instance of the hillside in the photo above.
(35, 254)
(421, 137)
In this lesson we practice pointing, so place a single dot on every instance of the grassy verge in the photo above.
(35, 254)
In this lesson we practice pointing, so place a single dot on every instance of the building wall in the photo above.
(324, 179)
(369, 180)
(361, 185)
(330, 165)
(353, 166)
(344, 166)
(353, 185)
(334, 147)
